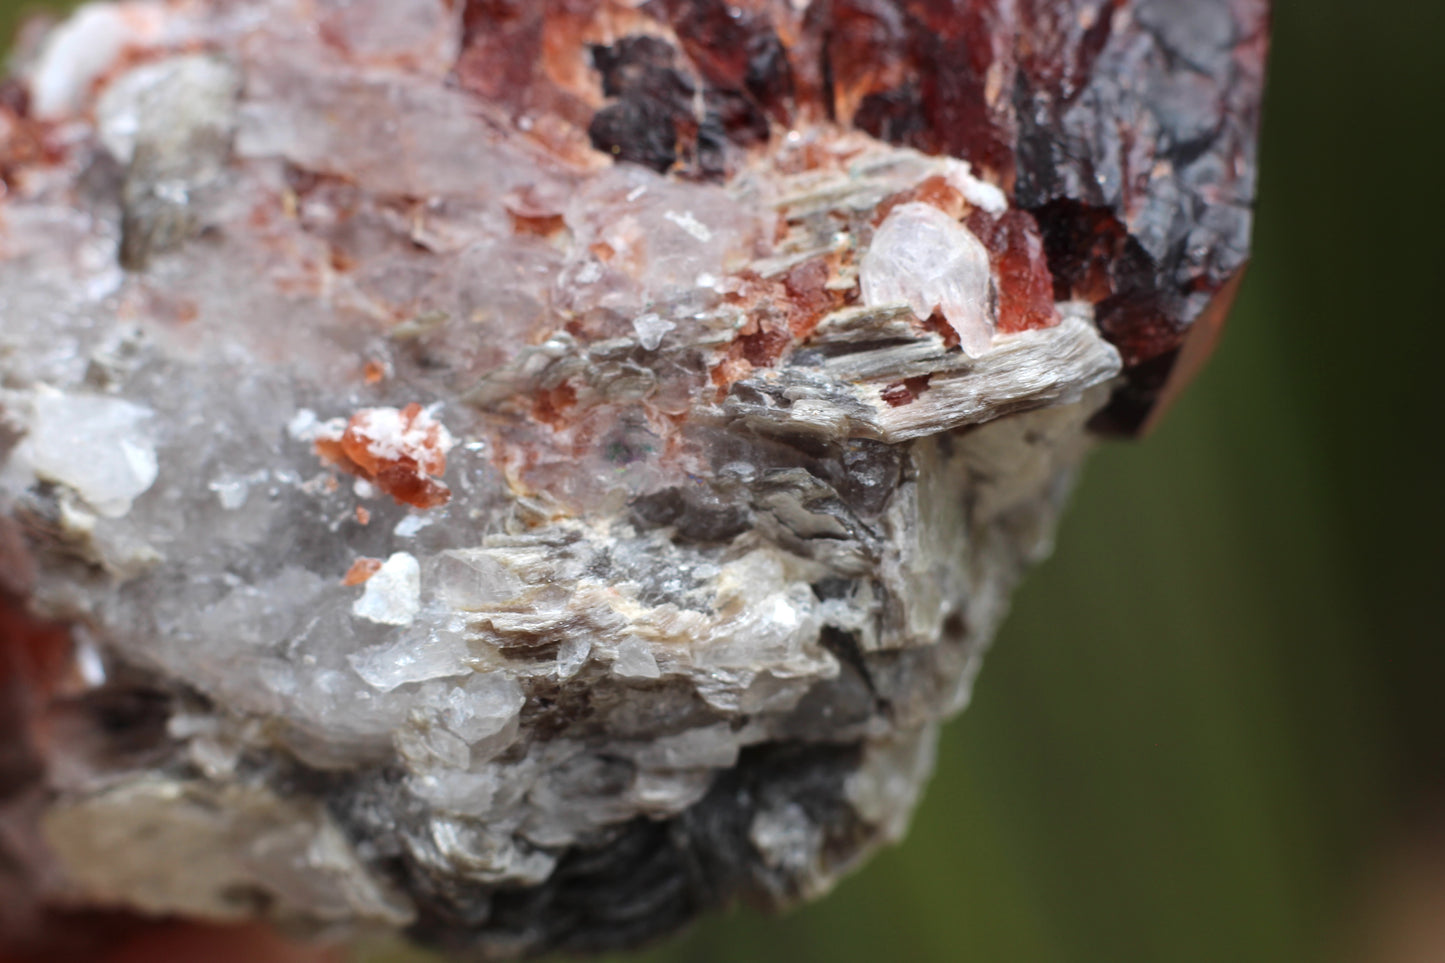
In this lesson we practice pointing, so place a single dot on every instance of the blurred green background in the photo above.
(1214, 727)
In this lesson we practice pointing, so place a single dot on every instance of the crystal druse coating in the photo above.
(525, 472)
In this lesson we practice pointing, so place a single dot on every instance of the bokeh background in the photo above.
(1214, 727)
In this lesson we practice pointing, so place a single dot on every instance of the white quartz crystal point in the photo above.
(925, 258)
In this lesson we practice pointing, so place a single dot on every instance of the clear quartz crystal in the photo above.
(927, 260)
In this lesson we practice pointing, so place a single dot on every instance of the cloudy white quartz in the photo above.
(924, 258)
(96, 446)
(82, 49)
(393, 594)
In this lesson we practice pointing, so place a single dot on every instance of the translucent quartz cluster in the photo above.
(527, 471)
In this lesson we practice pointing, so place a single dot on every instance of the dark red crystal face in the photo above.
(1123, 131)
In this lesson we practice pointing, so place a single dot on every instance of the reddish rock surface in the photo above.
(1125, 130)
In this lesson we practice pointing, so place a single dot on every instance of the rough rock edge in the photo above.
(830, 390)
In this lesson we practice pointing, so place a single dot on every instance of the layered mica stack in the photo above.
(527, 472)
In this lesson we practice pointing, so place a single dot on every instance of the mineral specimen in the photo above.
(526, 472)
